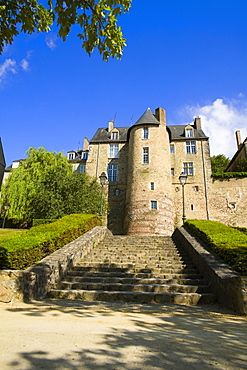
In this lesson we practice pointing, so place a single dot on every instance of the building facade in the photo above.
(143, 164)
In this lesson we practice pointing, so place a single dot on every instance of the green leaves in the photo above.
(229, 243)
(43, 186)
(97, 19)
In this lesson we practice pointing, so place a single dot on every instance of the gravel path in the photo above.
(62, 334)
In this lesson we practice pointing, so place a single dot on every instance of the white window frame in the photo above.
(145, 133)
(191, 147)
(112, 172)
(145, 155)
(189, 132)
(71, 156)
(154, 204)
(188, 168)
(114, 135)
(113, 151)
(152, 186)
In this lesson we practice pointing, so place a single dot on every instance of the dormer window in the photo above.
(189, 132)
(71, 156)
(114, 135)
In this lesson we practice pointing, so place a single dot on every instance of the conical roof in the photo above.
(147, 119)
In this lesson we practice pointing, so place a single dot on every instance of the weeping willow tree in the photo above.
(43, 186)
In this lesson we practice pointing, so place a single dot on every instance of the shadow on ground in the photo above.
(107, 336)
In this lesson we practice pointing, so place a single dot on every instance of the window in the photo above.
(190, 147)
(196, 188)
(71, 156)
(172, 171)
(145, 155)
(189, 132)
(192, 207)
(113, 151)
(153, 204)
(151, 185)
(172, 148)
(114, 135)
(84, 155)
(188, 168)
(116, 192)
(112, 172)
(145, 133)
(82, 168)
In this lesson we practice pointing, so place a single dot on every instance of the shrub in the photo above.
(42, 221)
(230, 244)
(32, 245)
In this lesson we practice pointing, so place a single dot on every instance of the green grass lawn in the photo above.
(5, 233)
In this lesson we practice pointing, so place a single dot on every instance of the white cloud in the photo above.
(50, 41)
(24, 64)
(220, 120)
(9, 65)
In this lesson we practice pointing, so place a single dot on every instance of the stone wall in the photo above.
(229, 287)
(115, 192)
(140, 219)
(228, 201)
(197, 186)
(37, 280)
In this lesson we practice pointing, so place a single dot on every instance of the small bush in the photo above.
(42, 221)
(230, 244)
(19, 252)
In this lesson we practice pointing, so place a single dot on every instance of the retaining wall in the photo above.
(37, 280)
(229, 287)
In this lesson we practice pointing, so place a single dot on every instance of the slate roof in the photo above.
(178, 133)
(102, 135)
(147, 118)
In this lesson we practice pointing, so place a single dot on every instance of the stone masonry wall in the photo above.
(228, 201)
(115, 192)
(37, 280)
(197, 187)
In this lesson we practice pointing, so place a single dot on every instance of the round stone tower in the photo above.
(149, 206)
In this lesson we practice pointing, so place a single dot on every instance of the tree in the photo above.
(43, 186)
(96, 18)
(219, 163)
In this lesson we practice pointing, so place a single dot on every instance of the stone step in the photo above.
(85, 267)
(136, 262)
(134, 297)
(129, 280)
(136, 275)
(156, 288)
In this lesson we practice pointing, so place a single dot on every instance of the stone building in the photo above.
(2, 163)
(143, 164)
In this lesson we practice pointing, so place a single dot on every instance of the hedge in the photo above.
(42, 221)
(228, 242)
(228, 175)
(20, 252)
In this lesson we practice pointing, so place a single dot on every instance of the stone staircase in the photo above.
(136, 269)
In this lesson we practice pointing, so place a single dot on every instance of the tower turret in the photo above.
(149, 206)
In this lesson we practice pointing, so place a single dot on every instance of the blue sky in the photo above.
(188, 57)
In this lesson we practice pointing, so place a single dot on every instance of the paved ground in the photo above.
(105, 336)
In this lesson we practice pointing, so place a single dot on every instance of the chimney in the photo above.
(85, 143)
(197, 123)
(238, 138)
(110, 126)
(160, 115)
